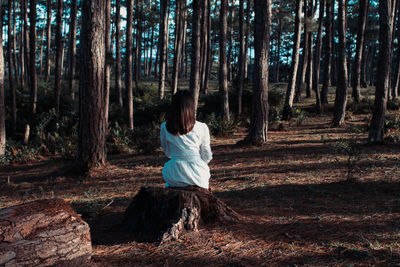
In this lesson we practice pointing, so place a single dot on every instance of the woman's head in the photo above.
(181, 118)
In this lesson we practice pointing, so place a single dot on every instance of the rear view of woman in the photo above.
(187, 143)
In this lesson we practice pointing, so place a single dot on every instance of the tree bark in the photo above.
(317, 58)
(278, 51)
(223, 68)
(376, 131)
(342, 82)
(287, 110)
(11, 71)
(48, 40)
(32, 56)
(2, 99)
(72, 47)
(195, 59)
(138, 47)
(246, 38)
(209, 58)
(43, 233)
(163, 214)
(118, 82)
(128, 64)
(328, 52)
(163, 46)
(59, 55)
(362, 24)
(14, 42)
(93, 122)
(396, 84)
(108, 59)
(259, 118)
(242, 55)
(310, 60)
(204, 46)
(178, 43)
(304, 62)
(26, 42)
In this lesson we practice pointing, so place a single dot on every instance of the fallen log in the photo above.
(162, 214)
(43, 233)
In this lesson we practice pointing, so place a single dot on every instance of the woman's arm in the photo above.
(205, 148)
(164, 140)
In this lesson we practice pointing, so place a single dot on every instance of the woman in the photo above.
(187, 143)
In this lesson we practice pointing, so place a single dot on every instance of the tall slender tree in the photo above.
(194, 84)
(72, 47)
(108, 60)
(2, 106)
(341, 87)
(301, 77)
(118, 82)
(259, 117)
(26, 41)
(287, 110)
(92, 120)
(362, 24)
(180, 6)
(48, 41)
(317, 57)
(396, 84)
(242, 54)
(59, 55)
(32, 56)
(138, 47)
(376, 131)
(163, 46)
(327, 52)
(223, 68)
(128, 64)
(11, 70)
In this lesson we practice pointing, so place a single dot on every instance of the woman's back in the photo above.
(189, 155)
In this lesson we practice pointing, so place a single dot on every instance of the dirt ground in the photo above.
(300, 209)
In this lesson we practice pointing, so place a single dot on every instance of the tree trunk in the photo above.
(195, 62)
(328, 52)
(242, 55)
(163, 46)
(246, 38)
(259, 117)
(310, 65)
(118, 82)
(287, 110)
(26, 42)
(163, 214)
(11, 71)
(108, 60)
(59, 55)
(362, 24)
(178, 43)
(396, 84)
(138, 47)
(43, 233)
(48, 40)
(341, 87)
(223, 68)
(72, 47)
(93, 122)
(2, 99)
(41, 53)
(204, 45)
(14, 42)
(230, 39)
(32, 56)
(209, 59)
(376, 131)
(303, 68)
(128, 64)
(22, 53)
(317, 57)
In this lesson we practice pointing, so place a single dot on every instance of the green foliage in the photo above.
(119, 140)
(18, 153)
(393, 104)
(57, 138)
(392, 128)
(274, 114)
(147, 137)
(219, 127)
(365, 106)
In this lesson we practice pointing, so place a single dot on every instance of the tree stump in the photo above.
(162, 214)
(43, 233)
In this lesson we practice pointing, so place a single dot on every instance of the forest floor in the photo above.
(299, 206)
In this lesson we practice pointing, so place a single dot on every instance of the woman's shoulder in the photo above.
(163, 125)
(201, 126)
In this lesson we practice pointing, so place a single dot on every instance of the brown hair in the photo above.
(181, 118)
